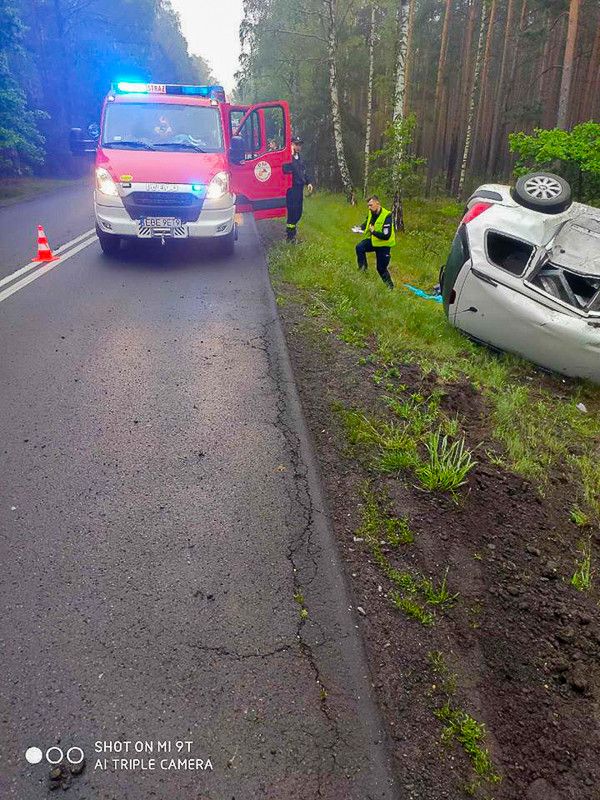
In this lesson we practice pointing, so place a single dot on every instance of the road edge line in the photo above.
(32, 264)
(44, 269)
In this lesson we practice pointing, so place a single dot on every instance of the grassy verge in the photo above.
(534, 420)
(13, 190)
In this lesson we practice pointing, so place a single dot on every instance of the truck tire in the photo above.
(543, 191)
(109, 243)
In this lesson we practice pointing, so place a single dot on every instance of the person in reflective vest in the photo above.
(295, 194)
(380, 227)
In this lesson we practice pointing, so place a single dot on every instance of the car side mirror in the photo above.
(80, 146)
(94, 130)
(237, 151)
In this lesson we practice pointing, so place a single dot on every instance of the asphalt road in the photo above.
(159, 512)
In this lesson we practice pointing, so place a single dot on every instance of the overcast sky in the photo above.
(212, 31)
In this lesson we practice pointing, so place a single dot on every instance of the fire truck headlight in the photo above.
(105, 184)
(218, 186)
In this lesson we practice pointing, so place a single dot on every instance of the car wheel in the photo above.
(109, 243)
(543, 191)
(225, 244)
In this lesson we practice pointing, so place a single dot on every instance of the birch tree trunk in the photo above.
(399, 98)
(408, 66)
(400, 89)
(369, 100)
(330, 8)
(474, 88)
(565, 84)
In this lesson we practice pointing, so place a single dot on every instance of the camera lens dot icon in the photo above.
(33, 755)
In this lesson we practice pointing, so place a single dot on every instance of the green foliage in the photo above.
(398, 170)
(66, 57)
(21, 144)
(577, 152)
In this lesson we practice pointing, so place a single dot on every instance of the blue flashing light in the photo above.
(126, 86)
(213, 92)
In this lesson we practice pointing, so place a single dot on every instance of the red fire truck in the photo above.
(176, 162)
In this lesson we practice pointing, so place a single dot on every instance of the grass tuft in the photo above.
(412, 609)
(582, 577)
(470, 734)
(448, 464)
(579, 517)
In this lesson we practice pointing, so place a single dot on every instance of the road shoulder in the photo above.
(21, 190)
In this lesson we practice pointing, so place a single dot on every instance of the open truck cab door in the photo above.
(258, 179)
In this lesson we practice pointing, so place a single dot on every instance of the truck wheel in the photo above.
(543, 191)
(109, 243)
(225, 244)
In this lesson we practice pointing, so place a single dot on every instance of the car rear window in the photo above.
(507, 252)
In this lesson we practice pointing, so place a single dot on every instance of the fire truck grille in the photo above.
(183, 205)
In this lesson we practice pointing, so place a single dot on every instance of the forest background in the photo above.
(439, 85)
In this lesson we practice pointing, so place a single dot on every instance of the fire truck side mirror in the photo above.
(237, 151)
(80, 146)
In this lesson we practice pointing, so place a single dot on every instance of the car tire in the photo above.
(226, 244)
(543, 191)
(109, 243)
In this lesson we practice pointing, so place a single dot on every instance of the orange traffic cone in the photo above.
(44, 252)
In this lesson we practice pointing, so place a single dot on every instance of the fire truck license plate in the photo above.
(161, 222)
(162, 226)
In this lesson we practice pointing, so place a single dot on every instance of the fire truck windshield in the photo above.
(162, 126)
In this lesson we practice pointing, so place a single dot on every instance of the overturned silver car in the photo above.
(523, 274)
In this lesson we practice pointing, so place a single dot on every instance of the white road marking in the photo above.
(34, 264)
(44, 268)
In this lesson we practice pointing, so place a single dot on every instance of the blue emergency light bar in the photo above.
(214, 92)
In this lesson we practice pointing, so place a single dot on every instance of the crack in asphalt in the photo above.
(302, 552)
(222, 651)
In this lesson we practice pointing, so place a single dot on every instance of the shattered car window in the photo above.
(570, 270)
(507, 252)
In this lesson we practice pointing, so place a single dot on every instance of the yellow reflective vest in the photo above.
(378, 226)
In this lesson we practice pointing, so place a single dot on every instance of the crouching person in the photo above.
(381, 237)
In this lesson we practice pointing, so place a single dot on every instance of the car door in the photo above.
(259, 182)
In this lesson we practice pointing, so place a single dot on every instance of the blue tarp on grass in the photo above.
(424, 295)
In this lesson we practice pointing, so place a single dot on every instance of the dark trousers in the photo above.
(382, 254)
(294, 199)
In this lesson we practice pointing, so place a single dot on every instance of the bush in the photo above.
(573, 154)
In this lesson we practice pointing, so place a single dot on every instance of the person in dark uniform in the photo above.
(381, 237)
(295, 194)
